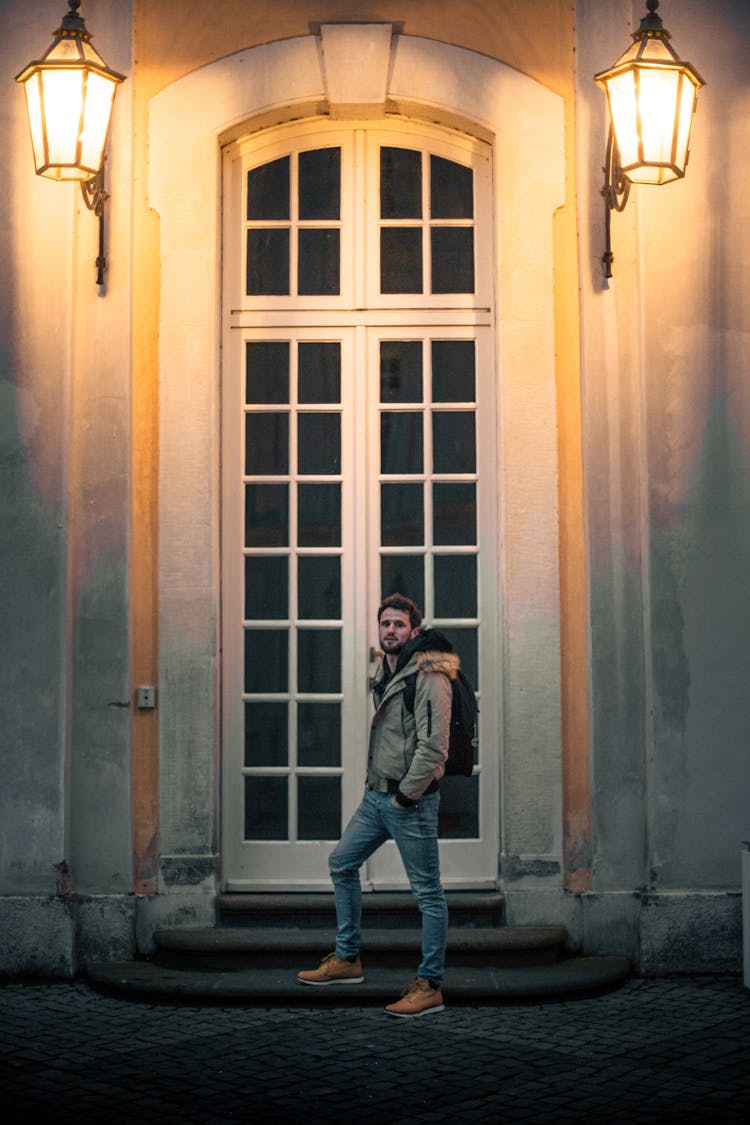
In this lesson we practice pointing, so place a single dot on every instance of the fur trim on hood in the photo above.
(435, 661)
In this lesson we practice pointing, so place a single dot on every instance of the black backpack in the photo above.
(464, 732)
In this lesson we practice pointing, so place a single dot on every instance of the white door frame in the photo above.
(359, 317)
(188, 122)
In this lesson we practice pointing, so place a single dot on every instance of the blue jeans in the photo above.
(414, 831)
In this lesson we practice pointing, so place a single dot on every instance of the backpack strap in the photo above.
(409, 693)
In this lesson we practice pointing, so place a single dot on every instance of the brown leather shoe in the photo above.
(333, 970)
(419, 999)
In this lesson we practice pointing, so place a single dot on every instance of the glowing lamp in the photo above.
(652, 96)
(70, 92)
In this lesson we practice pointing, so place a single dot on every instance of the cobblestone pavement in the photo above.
(653, 1051)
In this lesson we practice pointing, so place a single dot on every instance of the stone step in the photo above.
(288, 948)
(384, 909)
(564, 979)
(261, 941)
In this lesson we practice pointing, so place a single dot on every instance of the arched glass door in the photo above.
(359, 457)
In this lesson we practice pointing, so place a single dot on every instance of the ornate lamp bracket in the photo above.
(94, 196)
(615, 191)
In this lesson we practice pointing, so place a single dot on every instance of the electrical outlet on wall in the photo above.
(146, 697)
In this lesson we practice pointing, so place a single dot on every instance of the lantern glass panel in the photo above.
(653, 50)
(658, 105)
(687, 107)
(622, 106)
(100, 94)
(34, 108)
(62, 94)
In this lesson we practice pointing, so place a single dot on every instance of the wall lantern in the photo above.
(651, 94)
(69, 96)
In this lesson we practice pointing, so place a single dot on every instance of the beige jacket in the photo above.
(411, 749)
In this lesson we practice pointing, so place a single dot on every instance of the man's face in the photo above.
(394, 630)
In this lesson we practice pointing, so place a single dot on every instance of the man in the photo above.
(406, 759)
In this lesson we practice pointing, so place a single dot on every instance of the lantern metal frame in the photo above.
(642, 57)
(71, 50)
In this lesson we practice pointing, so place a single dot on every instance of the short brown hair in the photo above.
(405, 605)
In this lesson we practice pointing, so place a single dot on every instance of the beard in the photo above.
(393, 646)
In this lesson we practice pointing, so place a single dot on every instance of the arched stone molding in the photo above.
(189, 120)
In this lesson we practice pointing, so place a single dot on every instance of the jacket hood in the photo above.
(430, 650)
(426, 640)
(435, 661)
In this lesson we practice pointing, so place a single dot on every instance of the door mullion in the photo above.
(358, 224)
(361, 562)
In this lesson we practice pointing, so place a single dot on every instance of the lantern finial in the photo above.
(651, 24)
(71, 21)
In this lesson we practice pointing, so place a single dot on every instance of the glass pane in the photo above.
(401, 515)
(319, 660)
(319, 587)
(401, 260)
(451, 190)
(454, 441)
(267, 587)
(465, 642)
(266, 372)
(458, 818)
(267, 515)
(403, 574)
(453, 371)
(454, 514)
(400, 183)
(266, 808)
(455, 586)
(268, 262)
(319, 262)
(318, 808)
(319, 515)
(319, 734)
(266, 444)
(401, 371)
(266, 734)
(266, 660)
(319, 444)
(452, 259)
(320, 184)
(268, 190)
(319, 377)
(401, 442)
